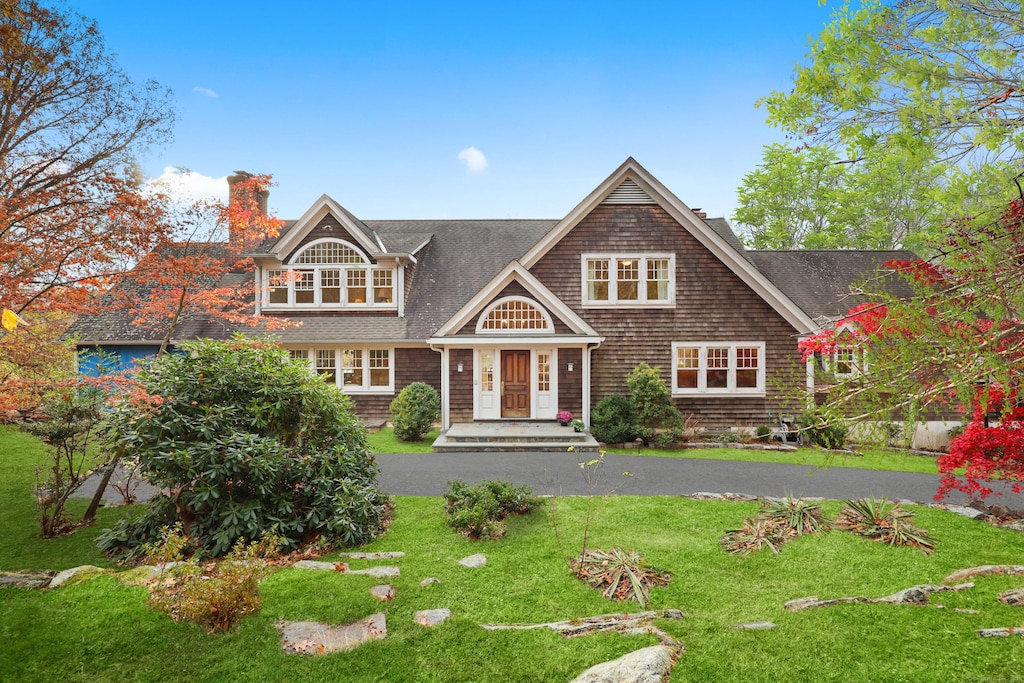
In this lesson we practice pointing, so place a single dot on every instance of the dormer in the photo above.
(328, 260)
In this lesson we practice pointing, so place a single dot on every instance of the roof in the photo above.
(822, 282)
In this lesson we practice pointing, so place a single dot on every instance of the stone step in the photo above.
(442, 445)
(576, 437)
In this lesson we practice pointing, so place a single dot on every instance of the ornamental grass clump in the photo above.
(774, 525)
(619, 574)
(883, 522)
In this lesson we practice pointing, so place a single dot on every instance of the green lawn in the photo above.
(103, 631)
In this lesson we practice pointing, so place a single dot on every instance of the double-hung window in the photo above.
(361, 369)
(628, 280)
(718, 368)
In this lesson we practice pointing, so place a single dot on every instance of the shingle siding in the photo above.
(712, 304)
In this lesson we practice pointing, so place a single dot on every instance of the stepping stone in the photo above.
(648, 665)
(964, 610)
(384, 592)
(67, 574)
(474, 561)
(381, 572)
(313, 638)
(757, 626)
(373, 556)
(432, 617)
(429, 580)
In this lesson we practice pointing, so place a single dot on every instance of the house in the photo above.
(520, 319)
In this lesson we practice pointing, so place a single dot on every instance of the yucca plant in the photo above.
(757, 534)
(797, 515)
(884, 522)
(623, 575)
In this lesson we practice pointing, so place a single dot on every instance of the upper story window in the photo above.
(329, 274)
(514, 314)
(718, 367)
(628, 280)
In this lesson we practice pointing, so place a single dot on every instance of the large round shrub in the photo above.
(415, 410)
(241, 440)
(613, 420)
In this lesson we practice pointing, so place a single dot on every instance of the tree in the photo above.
(241, 440)
(940, 83)
(72, 215)
(194, 272)
(811, 198)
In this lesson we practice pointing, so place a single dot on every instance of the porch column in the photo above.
(445, 390)
(586, 384)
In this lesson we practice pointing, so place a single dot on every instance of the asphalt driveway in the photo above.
(428, 474)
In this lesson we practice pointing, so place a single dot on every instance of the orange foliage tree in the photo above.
(72, 214)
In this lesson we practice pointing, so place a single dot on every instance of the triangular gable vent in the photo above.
(628, 193)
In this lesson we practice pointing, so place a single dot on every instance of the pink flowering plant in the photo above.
(563, 416)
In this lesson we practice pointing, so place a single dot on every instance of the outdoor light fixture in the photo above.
(570, 366)
(458, 367)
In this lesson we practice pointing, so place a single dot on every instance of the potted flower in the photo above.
(563, 417)
(577, 424)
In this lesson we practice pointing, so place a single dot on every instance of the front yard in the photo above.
(102, 630)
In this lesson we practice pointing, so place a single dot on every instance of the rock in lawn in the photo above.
(432, 617)
(474, 561)
(649, 665)
(429, 580)
(26, 579)
(83, 572)
(384, 592)
(756, 626)
(313, 638)
(1013, 597)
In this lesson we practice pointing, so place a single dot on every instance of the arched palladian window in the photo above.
(514, 314)
(329, 251)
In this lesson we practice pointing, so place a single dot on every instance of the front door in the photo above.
(515, 384)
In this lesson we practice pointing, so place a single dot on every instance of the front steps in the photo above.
(490, 437)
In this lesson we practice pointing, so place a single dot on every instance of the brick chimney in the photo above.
(237, 194)
(700, 214)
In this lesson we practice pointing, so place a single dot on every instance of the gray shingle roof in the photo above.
(820, 282)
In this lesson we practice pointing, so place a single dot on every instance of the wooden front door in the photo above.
(515, 384)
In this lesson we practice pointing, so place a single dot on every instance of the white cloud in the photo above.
(474, 159)
(185, 186)
(206, 91)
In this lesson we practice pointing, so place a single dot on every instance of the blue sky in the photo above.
(372, 103)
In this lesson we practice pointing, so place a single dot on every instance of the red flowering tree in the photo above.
(957, 343)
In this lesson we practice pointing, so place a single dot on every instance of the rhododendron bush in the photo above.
(955, 344)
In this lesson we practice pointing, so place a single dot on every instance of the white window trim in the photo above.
(858, 361)
(339, 368)
(702, 388)
(550, 325)
(613, 301)
(318, 303)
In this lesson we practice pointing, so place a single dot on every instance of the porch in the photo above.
(485, 437)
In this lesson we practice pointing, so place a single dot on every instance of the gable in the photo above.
(515, 289)
(631, 186)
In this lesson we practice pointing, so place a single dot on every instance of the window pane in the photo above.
(326, 365)
(352, 367)
(330, 286)
(543, 372)
(657, 279)
(304, 287)
(597, 279)
(718, 368)
(628, 273)
(747, 363)
(515, 315)
(382, 286)
(356, 282)
(329, 252)
(687, 366)
(380, 367)
(844, 361)
(277, 283)
(486, 372)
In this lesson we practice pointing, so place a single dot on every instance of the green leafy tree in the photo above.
(242, 441)
(938, 84)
